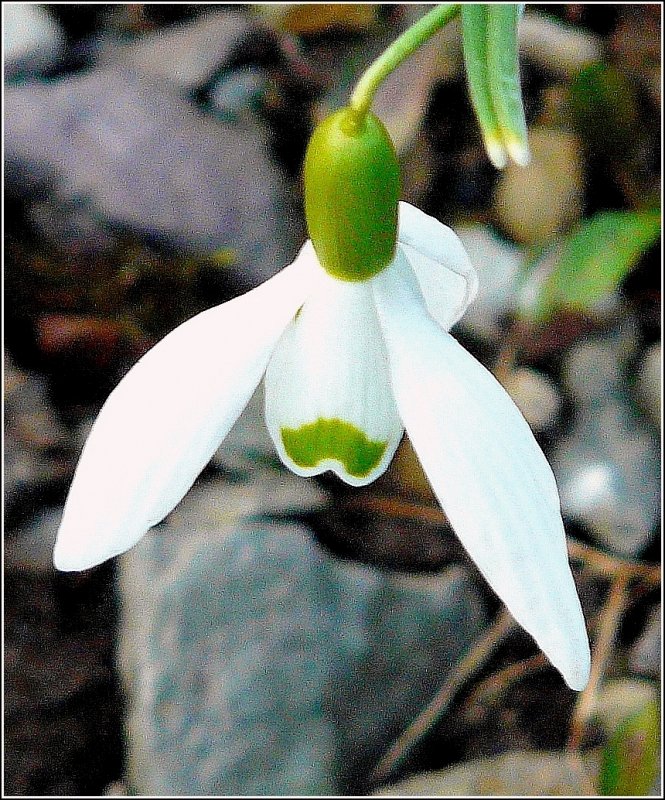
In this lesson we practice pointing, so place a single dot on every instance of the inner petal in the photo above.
(329, 403)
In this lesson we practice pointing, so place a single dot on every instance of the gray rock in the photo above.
(536, 395)
(248, 443)
(608, 466)
(185, 54)
(649, 383)
(499, 266)
(512, 774)
(257, 664)
(134, 153)
(32, 39)
(237, 91)
(645, 655)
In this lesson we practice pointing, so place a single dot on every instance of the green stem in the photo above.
(398, 51)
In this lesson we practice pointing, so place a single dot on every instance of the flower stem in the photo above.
(398, 51)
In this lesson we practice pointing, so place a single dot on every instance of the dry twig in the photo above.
(471, 664)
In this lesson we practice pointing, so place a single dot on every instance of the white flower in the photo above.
(347, 365)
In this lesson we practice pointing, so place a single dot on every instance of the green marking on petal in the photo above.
(333, 439)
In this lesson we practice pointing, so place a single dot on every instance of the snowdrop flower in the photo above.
(349, 360)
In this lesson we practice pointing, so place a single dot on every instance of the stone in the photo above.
(534, 204)
(645, 654)
(236, 91)
(649, 384)
(185, 54)
(536, 395)
(32, 39)
(258, 664)
(511, 774)
(499, 265)
(562, 50)
(135, 153)
(607, 466)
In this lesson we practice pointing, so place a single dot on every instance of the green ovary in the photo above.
(333, 439)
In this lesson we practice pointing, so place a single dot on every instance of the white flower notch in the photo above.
(347, 364)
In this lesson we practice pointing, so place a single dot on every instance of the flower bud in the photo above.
(351, 195)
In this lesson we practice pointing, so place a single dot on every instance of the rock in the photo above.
(562, 50)
(535, 203)
(536, 396)
(248, 443)
(645, 655)
(33, 41)
(607, 466)
(135, 153)
(649, 383)
(499, 266)
(186, 54)
(236, 91)
(257, 664)
(512, 774)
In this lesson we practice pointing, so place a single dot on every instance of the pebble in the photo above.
(499, 265)
(536, 395)
(32, 39)
(186, 54)
(560, 49)
(649, 383)
(607, 466)
(511, 774)
(533, 204)
(257, 664)
(645, 654)
(134, 152)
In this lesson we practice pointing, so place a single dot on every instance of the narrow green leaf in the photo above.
(631, 757)
(504, 73)
(594, 258)
(474, 39)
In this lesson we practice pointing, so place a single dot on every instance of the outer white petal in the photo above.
(164, 420)
(445, 274)
(328, 386)
(487, 471)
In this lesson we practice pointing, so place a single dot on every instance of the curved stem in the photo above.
(398, 51)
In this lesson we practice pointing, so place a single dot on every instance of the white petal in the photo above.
(164, 420)
(487, 471)
(329, 403)
(445, 274)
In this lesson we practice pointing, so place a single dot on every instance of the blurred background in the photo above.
(276, 635)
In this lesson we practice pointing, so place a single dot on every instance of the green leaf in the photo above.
(474, 36)
(504, 71)
(491, 58)
(594, 258)
(631, 757)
